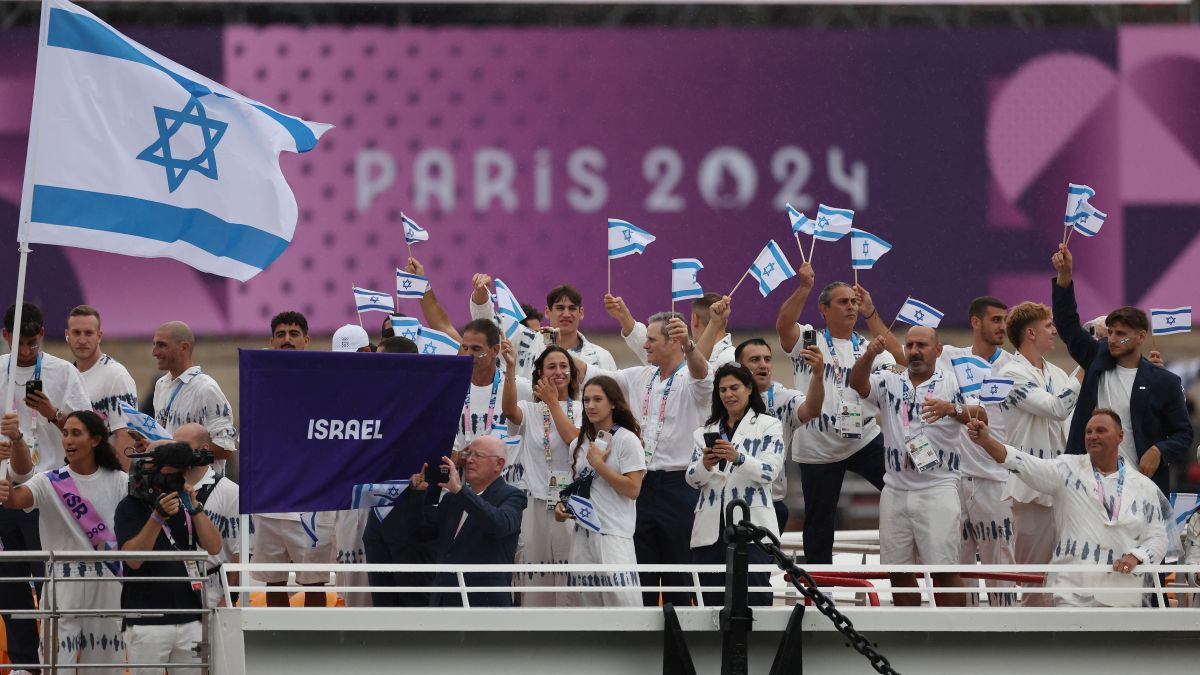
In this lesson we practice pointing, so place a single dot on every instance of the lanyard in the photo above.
(487, 422)
(904, 407)
(187, 518)
(662, 411)
(771, 398)
(32, 440)
(171, 402)
(546, 425)
(1116, 507)
(37, 369)
(833, 355)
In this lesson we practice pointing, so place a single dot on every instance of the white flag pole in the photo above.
(739, 283)
(811, 248)
(799, 246)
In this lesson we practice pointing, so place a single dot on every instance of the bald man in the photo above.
(923, 418)
(219, 496)
(185, 394)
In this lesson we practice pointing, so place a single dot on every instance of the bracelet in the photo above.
(157, 518)
(690, 348)
(874, 311)
(198, 510)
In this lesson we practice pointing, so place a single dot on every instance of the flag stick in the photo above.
(855, 276)
(810, 248)
(799, 246)
(893, 323)
(609, 274)
(1153, 342)
(10, 404)
(1066, 233)
(739, 283)
(1068, 238)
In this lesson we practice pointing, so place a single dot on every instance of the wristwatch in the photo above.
(958, 408)
(691, 347)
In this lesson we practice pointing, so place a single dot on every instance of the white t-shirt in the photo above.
(196, 397)
(782, 404)
(109, 385)
(1116, 387)
(618, 514)
(819, 441)
(474, 418)
(529, 469)
(104, 489)
(221, 507)
(64, 387)
(898, 400)
(976, 462)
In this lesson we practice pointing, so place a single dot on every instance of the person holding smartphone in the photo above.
(738, 453)
(607, 453)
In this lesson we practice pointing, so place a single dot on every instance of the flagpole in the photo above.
(856, 276)
(799, 246)
(811, 248)
(1067, 240)
(609, 258)
(739, 283)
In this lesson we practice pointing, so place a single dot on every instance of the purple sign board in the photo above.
(512, 147)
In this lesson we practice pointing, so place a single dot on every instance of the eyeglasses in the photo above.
(468, 454)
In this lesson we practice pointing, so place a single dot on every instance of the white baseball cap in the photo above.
(350, 338)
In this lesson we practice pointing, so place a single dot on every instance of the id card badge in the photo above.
(193, 570)
(649, 445)
(850, 419)
(921, 453)
(558, 481)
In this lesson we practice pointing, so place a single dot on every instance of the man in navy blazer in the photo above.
(477, 523)
(1158, 418)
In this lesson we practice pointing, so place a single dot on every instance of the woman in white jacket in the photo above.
(741, 462)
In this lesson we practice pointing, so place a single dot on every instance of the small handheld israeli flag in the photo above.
(1167, 321)
(995, 390)
(430, 341)
(144, 424)
(771, 268)
(917, 313)
(833, 224)
(585, 512)
(625, 238)
(1081, 215)
(801, 224)
(410, 285)
(379, 497)
(509, 309)
(412, 231)
(373, 301)
(970, 371)
(866, 249)
(406, 327)
(684, 284)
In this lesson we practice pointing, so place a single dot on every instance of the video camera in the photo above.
(146, 479)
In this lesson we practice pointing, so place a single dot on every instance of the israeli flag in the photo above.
(833, 224)
(1081, 215)
(430, 341)
(373, 301)
(683, 279)
(970, 371)
(585, 512)
(132, 153)
(995, 390)
(866, 249)
(412, 231)
(371, 495)
(801, 223)
(1167, 321)
(917, 313)
(771, 268)
(509, 310)
(406, 327)
(144, 424)
(625, 238)
(411, 285)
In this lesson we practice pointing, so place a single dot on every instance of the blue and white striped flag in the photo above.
(801, 224)
(406, 326)
(373, 301)
(771, 268)
(995, 390)
(410, 285)
(430, 341)
(144, 424)
(379, 497)
(585, 512)
(1081, 215)
(135, 154)
(625, 238)
(509, 309)
(970, 371)
(684, 283)
(412, 231)
(1167, 321)
(833, 224)
(917, 313)
(866, 249)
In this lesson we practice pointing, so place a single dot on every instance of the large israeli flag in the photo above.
(916, 313)
(132, 153)
(684, 282)
(373, 301)
(509, 309)
(1081, 215)
(771, 268)
(801, 224)
(970, 371)
(625, 238)
(1167, 321)
(833, 224)
(866, 249)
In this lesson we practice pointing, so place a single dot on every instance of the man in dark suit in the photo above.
(1148, 398)
(477, 523)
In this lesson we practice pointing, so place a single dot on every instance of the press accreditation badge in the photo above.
(558, 481)
(193, 571)
(921, 453)
(850, 419)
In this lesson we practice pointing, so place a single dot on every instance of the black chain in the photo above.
(768, 542)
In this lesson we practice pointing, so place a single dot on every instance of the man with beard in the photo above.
(108, 382)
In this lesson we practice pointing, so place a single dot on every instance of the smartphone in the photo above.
(808, 339)
(710, 439)
(437, 474)
(551, 334)
(32, 386)
(603, 439)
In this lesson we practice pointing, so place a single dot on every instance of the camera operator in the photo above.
(219, 495)
(161, 513)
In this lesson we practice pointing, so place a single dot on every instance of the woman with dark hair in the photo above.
(542, 463)
(76, 506)
(737, 455)
(608, 458)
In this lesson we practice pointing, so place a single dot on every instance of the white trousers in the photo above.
(919, 527)
(171, 643)
(1034, 544)
(348, 529)
(87, 639)
(987, 531)
(287, 541)
(606, 549)
(543, 540)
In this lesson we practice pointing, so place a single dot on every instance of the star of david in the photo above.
(410, 334)
(628, 234)
(822, 222)
(768, 269)
(866, 248)
(970, 374)
(169, 122)
(428, 348)
(695, 273)
(995, 389)
(920, 314)
(374, 299)
(407, 284)
(1170, 320)
(393, 491)
(583, 511)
